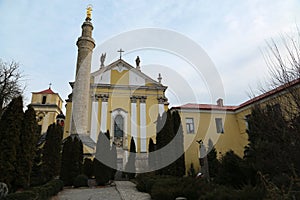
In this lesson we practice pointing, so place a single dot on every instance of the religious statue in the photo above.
(137, 61)
(89, 10)
(102, 59)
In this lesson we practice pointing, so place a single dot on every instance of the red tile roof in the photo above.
(234, 108)
(48, 91)
(206, 107)
(270, 93)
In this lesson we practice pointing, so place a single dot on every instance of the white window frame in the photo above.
(190, 128)
(219, 125)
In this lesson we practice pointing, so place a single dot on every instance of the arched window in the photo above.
(118, 126)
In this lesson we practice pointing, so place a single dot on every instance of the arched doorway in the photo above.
(118, 130)
(118, 126)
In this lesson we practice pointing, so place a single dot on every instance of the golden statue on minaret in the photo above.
(89, 10)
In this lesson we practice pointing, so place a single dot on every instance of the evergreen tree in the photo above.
(112, 157)
(107, 134)
(168, 154)
(72, 157)
(231, 171)
(88, 167)
(269, 140)
(77, 155)
(10, 127)
(101, 171)
(113, 153)
(66, 162)
(213, 162)
(272, 145)
(151, 157)
(36, 177)
(26, 149)
(130, 165)
(159, 145)
(51, 160)
(179, 143)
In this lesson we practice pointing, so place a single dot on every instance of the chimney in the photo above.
(220, 102)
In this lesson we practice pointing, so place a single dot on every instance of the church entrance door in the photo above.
(118, 130)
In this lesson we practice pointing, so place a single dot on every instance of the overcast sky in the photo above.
(42, 35)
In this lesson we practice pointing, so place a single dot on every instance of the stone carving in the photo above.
(118, 141)
(102, 59)
(3, 190)
(137, 61)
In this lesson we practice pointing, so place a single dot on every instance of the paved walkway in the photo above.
(124, 190)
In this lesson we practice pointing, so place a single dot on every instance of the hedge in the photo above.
(43, 192)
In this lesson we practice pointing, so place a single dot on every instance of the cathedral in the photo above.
(123, 100)
(118, 98)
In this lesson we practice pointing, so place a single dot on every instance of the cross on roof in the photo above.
(120, 51)
(50, 85)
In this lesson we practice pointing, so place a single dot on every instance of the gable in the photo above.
(122, 73)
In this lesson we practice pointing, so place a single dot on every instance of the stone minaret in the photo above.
(81, 88)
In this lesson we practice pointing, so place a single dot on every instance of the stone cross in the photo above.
(121, 51)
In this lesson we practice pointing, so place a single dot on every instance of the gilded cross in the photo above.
(121, 51)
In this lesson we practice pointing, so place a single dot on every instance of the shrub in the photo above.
(88, 167)
(192, 188)
(81, 181)
(223, 193)
(43, 192)
(24, 195)
(101, 171)
(250, 192)
(231, 171)
(167, 188)
(145, 182)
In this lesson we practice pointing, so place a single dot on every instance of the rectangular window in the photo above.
(189, 125)
(44, 99)
(219, 125)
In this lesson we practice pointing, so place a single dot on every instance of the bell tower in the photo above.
(81, 88)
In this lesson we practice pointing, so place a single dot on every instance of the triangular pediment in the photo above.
(136, 77)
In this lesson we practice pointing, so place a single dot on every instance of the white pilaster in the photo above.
(94, 120)
(133, 118)
(103, 116)
(161, 105)
(161, 109)
(143, 134)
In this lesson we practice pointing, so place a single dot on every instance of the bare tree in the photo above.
(10, 83)
(283, 60)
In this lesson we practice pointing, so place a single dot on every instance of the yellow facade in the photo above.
(47, 105)
(121, 88)
(125, 101)
(234, 136)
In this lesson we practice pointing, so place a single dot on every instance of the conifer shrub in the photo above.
(88, 167)
(170, 187)
(43, 192)
(221, 192)
(145, 182)
(24, 195)
(167, 188)
(101, 172)
(81, 181)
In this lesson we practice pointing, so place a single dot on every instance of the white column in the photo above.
(103, 126)
(133, 118)
(161, 108)
(94, 119)
(143, 134)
